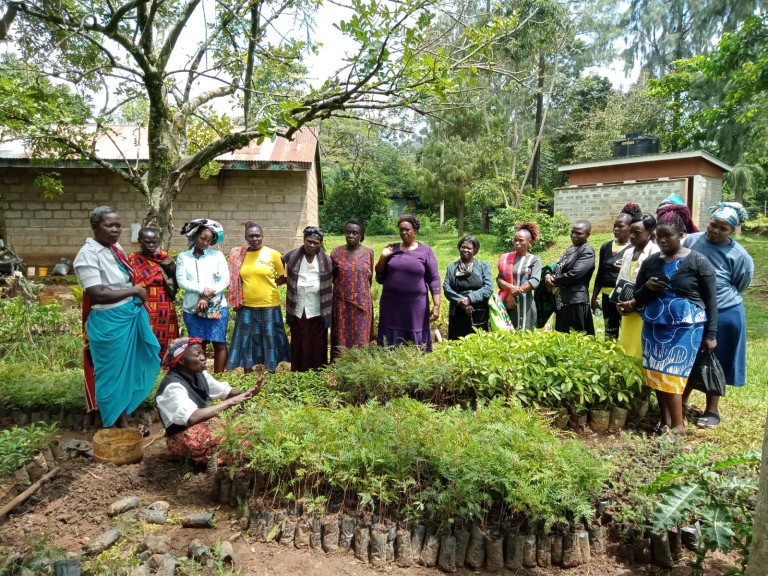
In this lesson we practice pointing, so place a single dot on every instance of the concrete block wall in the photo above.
(44, 230)
(708, 192)
(601, 204)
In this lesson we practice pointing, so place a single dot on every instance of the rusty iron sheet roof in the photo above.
(126, 143)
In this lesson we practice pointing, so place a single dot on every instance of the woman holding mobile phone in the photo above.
(676, 291)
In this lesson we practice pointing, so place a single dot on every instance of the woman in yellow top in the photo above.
(641, 234)
(255, 272)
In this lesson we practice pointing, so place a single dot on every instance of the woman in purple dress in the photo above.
(408, 271)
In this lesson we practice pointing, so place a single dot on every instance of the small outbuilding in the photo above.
(276, 183)
(598, 190)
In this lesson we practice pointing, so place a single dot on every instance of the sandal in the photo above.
(708, 420)
(661, 430)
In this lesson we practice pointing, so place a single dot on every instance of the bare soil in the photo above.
(72, 508)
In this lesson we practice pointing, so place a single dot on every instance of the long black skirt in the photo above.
(576, 317)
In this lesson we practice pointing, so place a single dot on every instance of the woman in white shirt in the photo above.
(202, 272)
(120, 353)
(184, 396)
(309, 301)
(642, 231)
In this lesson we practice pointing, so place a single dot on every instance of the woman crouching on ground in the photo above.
(183, 400)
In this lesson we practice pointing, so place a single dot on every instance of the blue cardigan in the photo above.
(481, 269)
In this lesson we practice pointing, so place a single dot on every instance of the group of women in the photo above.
(666, 292)
(677, 292)
(322, 291)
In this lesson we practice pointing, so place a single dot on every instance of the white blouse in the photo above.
(175, 406)
(308, 289)
(96, 265)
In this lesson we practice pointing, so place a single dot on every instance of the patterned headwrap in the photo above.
(732, 212)
(671, 199)
(191, 228)
(678, 216)
(176, 350)
(313, 231)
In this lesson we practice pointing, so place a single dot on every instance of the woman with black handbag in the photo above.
(734, 269)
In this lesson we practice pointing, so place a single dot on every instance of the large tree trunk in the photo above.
(758, 554)
(160, 213)
(460, 219)
(163, 183)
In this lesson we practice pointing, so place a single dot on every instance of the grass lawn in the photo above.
(743, 410)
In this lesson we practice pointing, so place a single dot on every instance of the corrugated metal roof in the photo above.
(123, 143)
(662, 157)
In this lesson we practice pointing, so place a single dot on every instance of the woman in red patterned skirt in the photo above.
(160, 286)
(352, 320)
(184, 397)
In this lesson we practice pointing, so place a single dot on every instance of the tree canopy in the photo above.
(181, 63)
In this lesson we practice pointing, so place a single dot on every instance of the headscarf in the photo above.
(176, 351)
(732, 212)
(671, 199)
(677, 216)
(191, 228)
(313, 231)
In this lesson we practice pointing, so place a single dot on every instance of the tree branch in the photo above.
(173, 37)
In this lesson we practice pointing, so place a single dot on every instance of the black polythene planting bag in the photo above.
(707, 374)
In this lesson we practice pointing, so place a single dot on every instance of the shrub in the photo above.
(18, 445)
(381, 224)
(504, 221)
(382, 373)
(27, 386)
(40, 334)
(543, 368)
(408, 459)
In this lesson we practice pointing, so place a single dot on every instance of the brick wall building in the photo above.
(275, 184)
(598, 190)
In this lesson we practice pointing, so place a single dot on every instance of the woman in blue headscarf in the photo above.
(734, 269)
(203, 274)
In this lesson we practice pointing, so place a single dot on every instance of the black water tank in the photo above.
(636, 144)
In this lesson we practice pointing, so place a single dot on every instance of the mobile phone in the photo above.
(664, 280)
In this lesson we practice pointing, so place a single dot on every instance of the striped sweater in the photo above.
(292, 261)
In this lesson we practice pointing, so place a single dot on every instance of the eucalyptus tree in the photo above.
(658, 32)
(189, 59)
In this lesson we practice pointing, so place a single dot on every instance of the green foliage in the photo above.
(50, 184)
(634, 111)
(635, 462)
(540, 368)
(408, 458)
(42, 334)
(19, 444)
(363, 198)
(26, 386)
(385, 373)
(313, 387)
(505, 220)
(721, 493)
